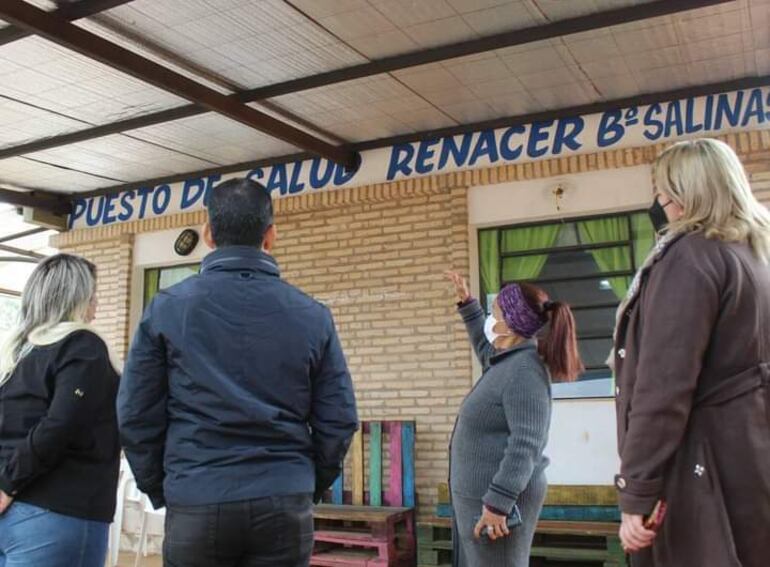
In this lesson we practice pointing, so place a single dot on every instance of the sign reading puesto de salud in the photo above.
(625, 127)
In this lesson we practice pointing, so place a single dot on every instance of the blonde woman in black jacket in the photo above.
(59, 450)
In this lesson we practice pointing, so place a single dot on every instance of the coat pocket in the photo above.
(697, 528)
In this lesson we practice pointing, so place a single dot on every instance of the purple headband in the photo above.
(518, 314)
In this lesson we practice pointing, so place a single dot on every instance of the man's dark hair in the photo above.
(240, 212)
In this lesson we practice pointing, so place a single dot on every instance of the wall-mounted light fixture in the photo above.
(186, 242)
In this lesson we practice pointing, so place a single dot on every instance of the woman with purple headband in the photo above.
(497, 466)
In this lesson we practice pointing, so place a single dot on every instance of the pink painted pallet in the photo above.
(364, 536)
(373, 528)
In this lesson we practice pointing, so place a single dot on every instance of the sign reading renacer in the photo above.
(625, 127)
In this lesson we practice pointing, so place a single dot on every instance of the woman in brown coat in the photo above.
(692, 362)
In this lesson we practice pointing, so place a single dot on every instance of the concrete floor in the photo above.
(127, 560)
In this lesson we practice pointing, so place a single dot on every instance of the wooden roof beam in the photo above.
(70, 12)
(51, 202)
(21, 252)
(22, 234)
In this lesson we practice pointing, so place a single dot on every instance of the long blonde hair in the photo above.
(706, 178)
(59, 290)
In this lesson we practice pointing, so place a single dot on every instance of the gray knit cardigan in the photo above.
(502, 427)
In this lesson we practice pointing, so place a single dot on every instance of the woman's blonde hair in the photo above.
(706, 178)
(59, 290)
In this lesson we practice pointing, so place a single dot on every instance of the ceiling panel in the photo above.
(593, 46)
(525, 61)
(359, 22)
(214, 138)
(80, 88)
(121, 157)
(21, 122)
(508, 86)
(383, 44)
(22, 172)
(406, 13)
(323, 8)
(502, 18)
(441, 32)
(472, 111)
(615, 86)
(468, 6)
(230, 45)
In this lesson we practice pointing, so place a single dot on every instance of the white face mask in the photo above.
(489, 331)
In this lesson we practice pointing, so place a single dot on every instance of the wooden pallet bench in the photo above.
(577, 523)
(375, 527)
(579, 541)
(434, 543)
(554, 541)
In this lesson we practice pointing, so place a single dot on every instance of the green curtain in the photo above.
(151, 284)
(489, 261)
(523, 239)
(609, 259)
(643, 235)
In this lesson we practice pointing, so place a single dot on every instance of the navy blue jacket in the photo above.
(235, 388)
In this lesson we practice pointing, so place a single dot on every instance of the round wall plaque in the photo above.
(186, 242)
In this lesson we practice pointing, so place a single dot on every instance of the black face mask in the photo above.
(657, 214)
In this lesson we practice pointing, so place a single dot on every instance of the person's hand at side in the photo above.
(491, 520)
(460, 285)
(633, 535)
(5, 502)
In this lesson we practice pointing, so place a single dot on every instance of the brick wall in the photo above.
(379, 266)
(113, 259)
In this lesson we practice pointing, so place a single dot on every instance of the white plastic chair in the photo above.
(147, 512)
(124, 478)
(128, 492)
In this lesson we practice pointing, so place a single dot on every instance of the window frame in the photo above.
(629, 242)
(148, 269)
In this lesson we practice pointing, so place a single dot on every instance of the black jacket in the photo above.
(235, 388)
(58, 431)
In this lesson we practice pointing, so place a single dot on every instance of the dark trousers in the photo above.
(267, 532)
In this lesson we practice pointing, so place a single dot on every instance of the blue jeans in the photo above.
(34, 537)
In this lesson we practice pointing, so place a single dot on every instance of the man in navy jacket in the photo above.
(236, 407)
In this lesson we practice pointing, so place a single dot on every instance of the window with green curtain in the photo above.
(527, 267)
(610, 259)
(156, 279)
(515, 267)
(589, 264)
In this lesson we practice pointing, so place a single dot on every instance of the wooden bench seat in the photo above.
(344, 558)
(578, 541)
(578, 528)
(554, 541)
(358, 513)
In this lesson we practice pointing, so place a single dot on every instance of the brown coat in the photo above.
(693, 402)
